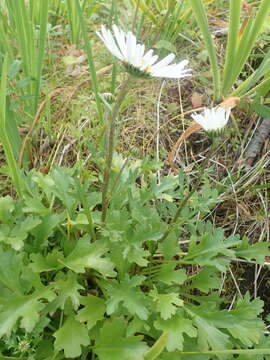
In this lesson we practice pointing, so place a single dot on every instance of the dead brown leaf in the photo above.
(196, 100)
(230, 102)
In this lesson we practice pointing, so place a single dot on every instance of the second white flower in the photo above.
(212, 119)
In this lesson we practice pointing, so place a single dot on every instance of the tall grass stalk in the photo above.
(234, 23)
(178, 18)
(43, 20)
(34, 7)
(168, 17)
(240, 50)
(262, 88)
(4, 131)
(200, 15)
(239, 46)
(74, 21)
(5, 46)
(113, 17)
(31, 47)
(90, 58)
(253, 79)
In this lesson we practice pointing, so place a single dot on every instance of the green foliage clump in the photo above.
(136, 287)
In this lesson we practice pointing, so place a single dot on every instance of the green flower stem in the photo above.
(188, 196)
(157, 348)
(177, 214)
(116, 182)
(249, 352)
(110, 145)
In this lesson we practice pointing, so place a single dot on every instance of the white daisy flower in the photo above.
(124, 46)
(213, 119)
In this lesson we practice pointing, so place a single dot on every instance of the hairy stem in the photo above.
(110, 146)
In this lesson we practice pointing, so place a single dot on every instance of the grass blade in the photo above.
(231, 49)
(23, 15)
(202, 21)
(5, 46)
(255, 77)
(73, 21)
(89, 53)
(249, 38)
(43, 20)
(9, 153)
(261, 88)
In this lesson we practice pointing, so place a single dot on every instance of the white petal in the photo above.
(139, 55)
(121, 40)
(183, 64)
(148, 59)
(131, 47)
(147, 56)
(142, 52)
(200, 120)
(107, 38)
(164, 62)
(223, 115)
(172, 71)
(212, 119)
(151, 61)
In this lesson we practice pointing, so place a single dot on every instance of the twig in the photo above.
(249, 261)
(235, 283)
(232, 303)
(257, 141)
(258, 270)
